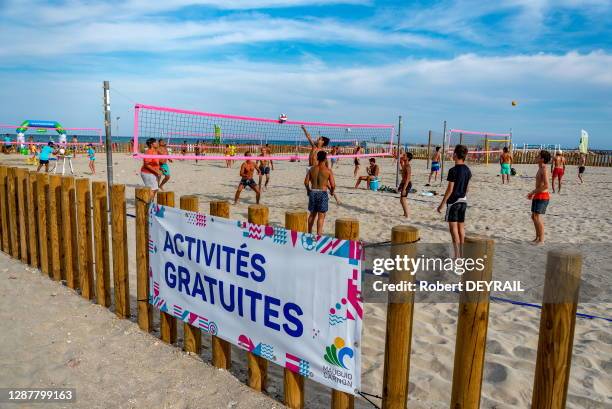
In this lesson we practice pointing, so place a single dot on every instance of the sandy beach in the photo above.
(59, 339)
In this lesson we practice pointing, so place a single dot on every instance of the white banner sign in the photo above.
(292, 298)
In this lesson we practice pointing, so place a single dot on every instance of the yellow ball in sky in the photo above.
(513, 103)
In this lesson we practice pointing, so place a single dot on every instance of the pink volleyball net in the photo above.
(32, 135)
(195, 135)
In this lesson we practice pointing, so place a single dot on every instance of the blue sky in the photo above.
(344, 60)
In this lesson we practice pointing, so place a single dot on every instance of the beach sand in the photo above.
(136, 370)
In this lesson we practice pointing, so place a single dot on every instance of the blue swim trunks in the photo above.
(165, 169)
(318, 201)
(435, 166)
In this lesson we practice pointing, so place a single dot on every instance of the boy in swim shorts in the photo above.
(91, 155)
(317, 181)
(264, 169)
(162, 149)
(435, 166)
(581, 167)
(406, 183)
(455, 198)
(558, 170)
(505, 161)
(247, 170)
(540, 197)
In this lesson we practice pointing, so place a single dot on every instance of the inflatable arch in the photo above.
(21, 130)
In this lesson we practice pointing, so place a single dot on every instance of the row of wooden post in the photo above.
(71, 237)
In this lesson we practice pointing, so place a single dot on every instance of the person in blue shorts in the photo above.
(91, 155)
(162, 149)
(505, 161)
(435, 166)
(318, 179)
(44, 157)
(455, 198)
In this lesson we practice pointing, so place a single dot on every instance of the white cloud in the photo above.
(557, 94)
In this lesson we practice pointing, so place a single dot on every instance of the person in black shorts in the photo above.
(581, 167)
(406, 183)
(455, 198)
(247, 170)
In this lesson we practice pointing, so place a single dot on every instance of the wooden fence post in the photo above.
(557, 323)
(258, 366)
(53, 233)
(21, 178)
(42, 186)
(12, 211)
(4, 223)
(145, 316)
(66, 237)
(346, 229)
(120, 252)
(221, 349)
(100, 230)
(167, 323)
(32, 217)
(294, 382)
(472, 322)
(85, 239)
(400, 310)
(192, 336)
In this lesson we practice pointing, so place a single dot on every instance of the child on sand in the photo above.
(455, 198)
(406, 183)
(315, 146)
(91, 155)
(581, 167)
(44, 156)
(334, 152)
(246, 179)
(373, 172)
(317, 180)
(435, 166)
(558, 169)
(150, 172)
(540, 196)
(264, 169)
(505, 161)
(162, 149)
(356, 162)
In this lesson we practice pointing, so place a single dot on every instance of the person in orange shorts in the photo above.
(558, 169)
(540, 197)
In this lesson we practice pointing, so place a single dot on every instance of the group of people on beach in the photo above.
(320, 182)
(42, 154)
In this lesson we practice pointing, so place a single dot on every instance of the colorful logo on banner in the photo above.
(231, 279)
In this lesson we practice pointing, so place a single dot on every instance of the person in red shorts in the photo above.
(558, 169)
(540, 197)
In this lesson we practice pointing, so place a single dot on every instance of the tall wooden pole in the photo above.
(53, 232)
(221, 349)
(67, 190)
(472, 322)
(42, 182)
(145, 316)
(346, 229)
(258, 366)
(121, 280)
(428, 149)
(21, 178)
(12, 211)
(192, 336)
(32, 219)
(108, 142)
(399, 137)
(85, 238)
(102, 247)
(557, 324)
(167, 323)
(443, 157)
(293, 382)
(4, 220)
(400, 310)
